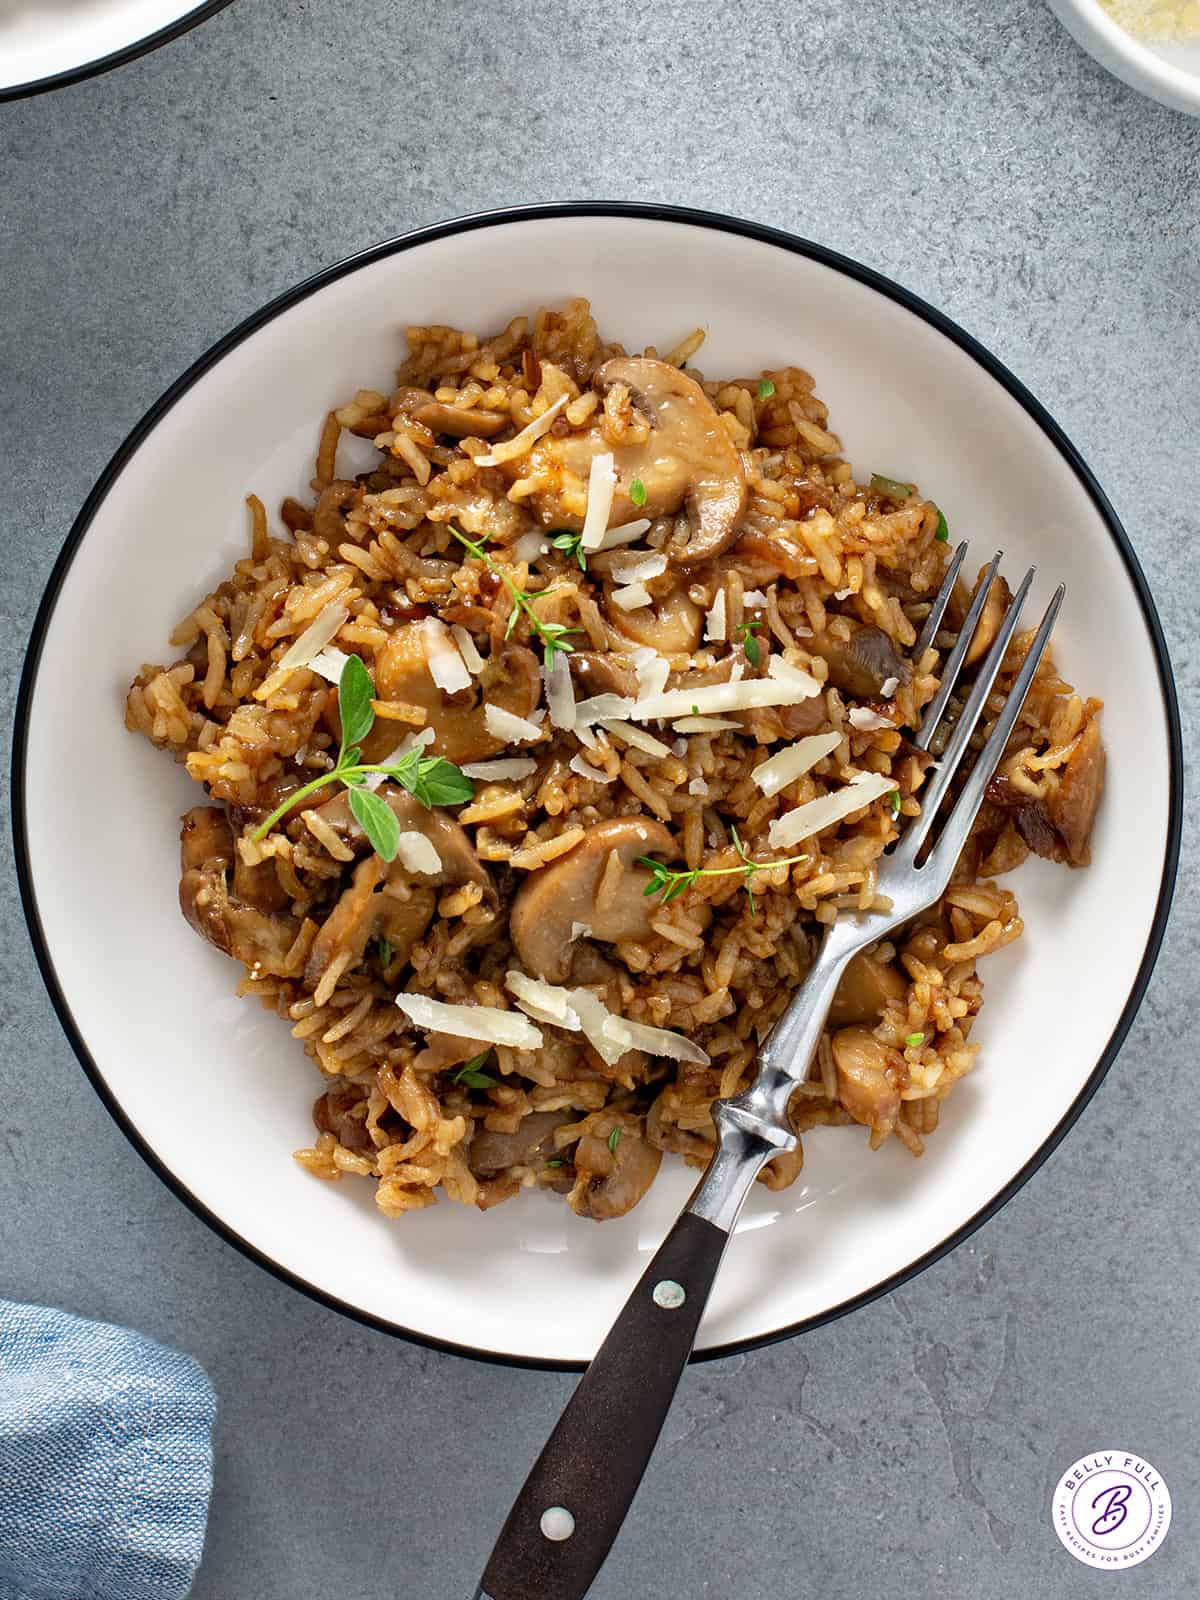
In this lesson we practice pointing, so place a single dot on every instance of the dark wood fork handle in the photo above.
(593, 1462)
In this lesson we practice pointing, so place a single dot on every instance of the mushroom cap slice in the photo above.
(868, 986)
(510, 680)
(556, 896)
(689, 459)
(861, 664)
(671, 624)
(246, 931)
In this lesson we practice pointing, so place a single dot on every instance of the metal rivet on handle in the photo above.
(557, 1523)
(669, 1295)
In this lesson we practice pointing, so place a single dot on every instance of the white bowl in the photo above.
(45, 44)
(1167, 72)
(214, 1091)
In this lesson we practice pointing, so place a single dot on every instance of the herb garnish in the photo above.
(614, 1140)
(637, 492)
(894, 802)
(431, 779)
(552, 634)
(571, 545)
(470, 1074)
(749, 643)
(670, 881)
(943, 528)
(912, 1040)
(557, 1162)
(765, 388)
(383, 948)
(891, 488)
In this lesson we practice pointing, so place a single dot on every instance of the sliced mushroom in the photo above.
(687, 462)
(329, 513)
(865, 1079)
(861, 664)
(609, 1182)
(689, 459)
(207, 838)
(995, 608)
(1059, 826)
(509, 680)
(564, 892)
(671, 624)
(867, 987)
(601, 672)
(394, 902)
(532, 1143)
(460, 422)
(460, 864)
(258, 938)
(342, 1112)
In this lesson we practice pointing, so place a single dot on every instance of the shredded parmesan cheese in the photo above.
(786, 765)
(639, 567)
(603, 707)
(826, 809)
(315, 637)
(329, 663)
(560, 696)
(409, 742)
(742, 695)
(446, 667)
(418, 853)
(510, 449)
(602, 483)
(499, 771)
(592, 774)
(530, 546)
(504, 725)
(784, 672)
(488, 1023)
(579, 1011)
(651, 670)
(625, 534)
(637, 737)
(632, 598)
(714, 625)
(466, 648)
(888, 687)
(868, 721)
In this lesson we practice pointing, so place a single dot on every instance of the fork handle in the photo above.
(594, 1460)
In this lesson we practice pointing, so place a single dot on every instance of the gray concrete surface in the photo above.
(974, 152)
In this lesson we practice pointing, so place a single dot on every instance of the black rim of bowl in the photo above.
(118, 58)
(657, 213)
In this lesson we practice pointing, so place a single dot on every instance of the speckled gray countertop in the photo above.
(973, 152)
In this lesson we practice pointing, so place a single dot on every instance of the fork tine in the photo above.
(938, 609)
(966, 808)
(956, 746)
(935, 708)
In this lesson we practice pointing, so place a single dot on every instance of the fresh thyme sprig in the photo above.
(571, 545)
(552, 634)
(470, 1074)
(749, 643)
(671, 882)
(430, 779)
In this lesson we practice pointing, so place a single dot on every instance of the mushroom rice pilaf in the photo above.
(537, 755)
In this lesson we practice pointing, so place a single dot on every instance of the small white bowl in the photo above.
(1167, 72)
(46, 44)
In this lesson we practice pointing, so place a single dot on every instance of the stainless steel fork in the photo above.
(575, 1499)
